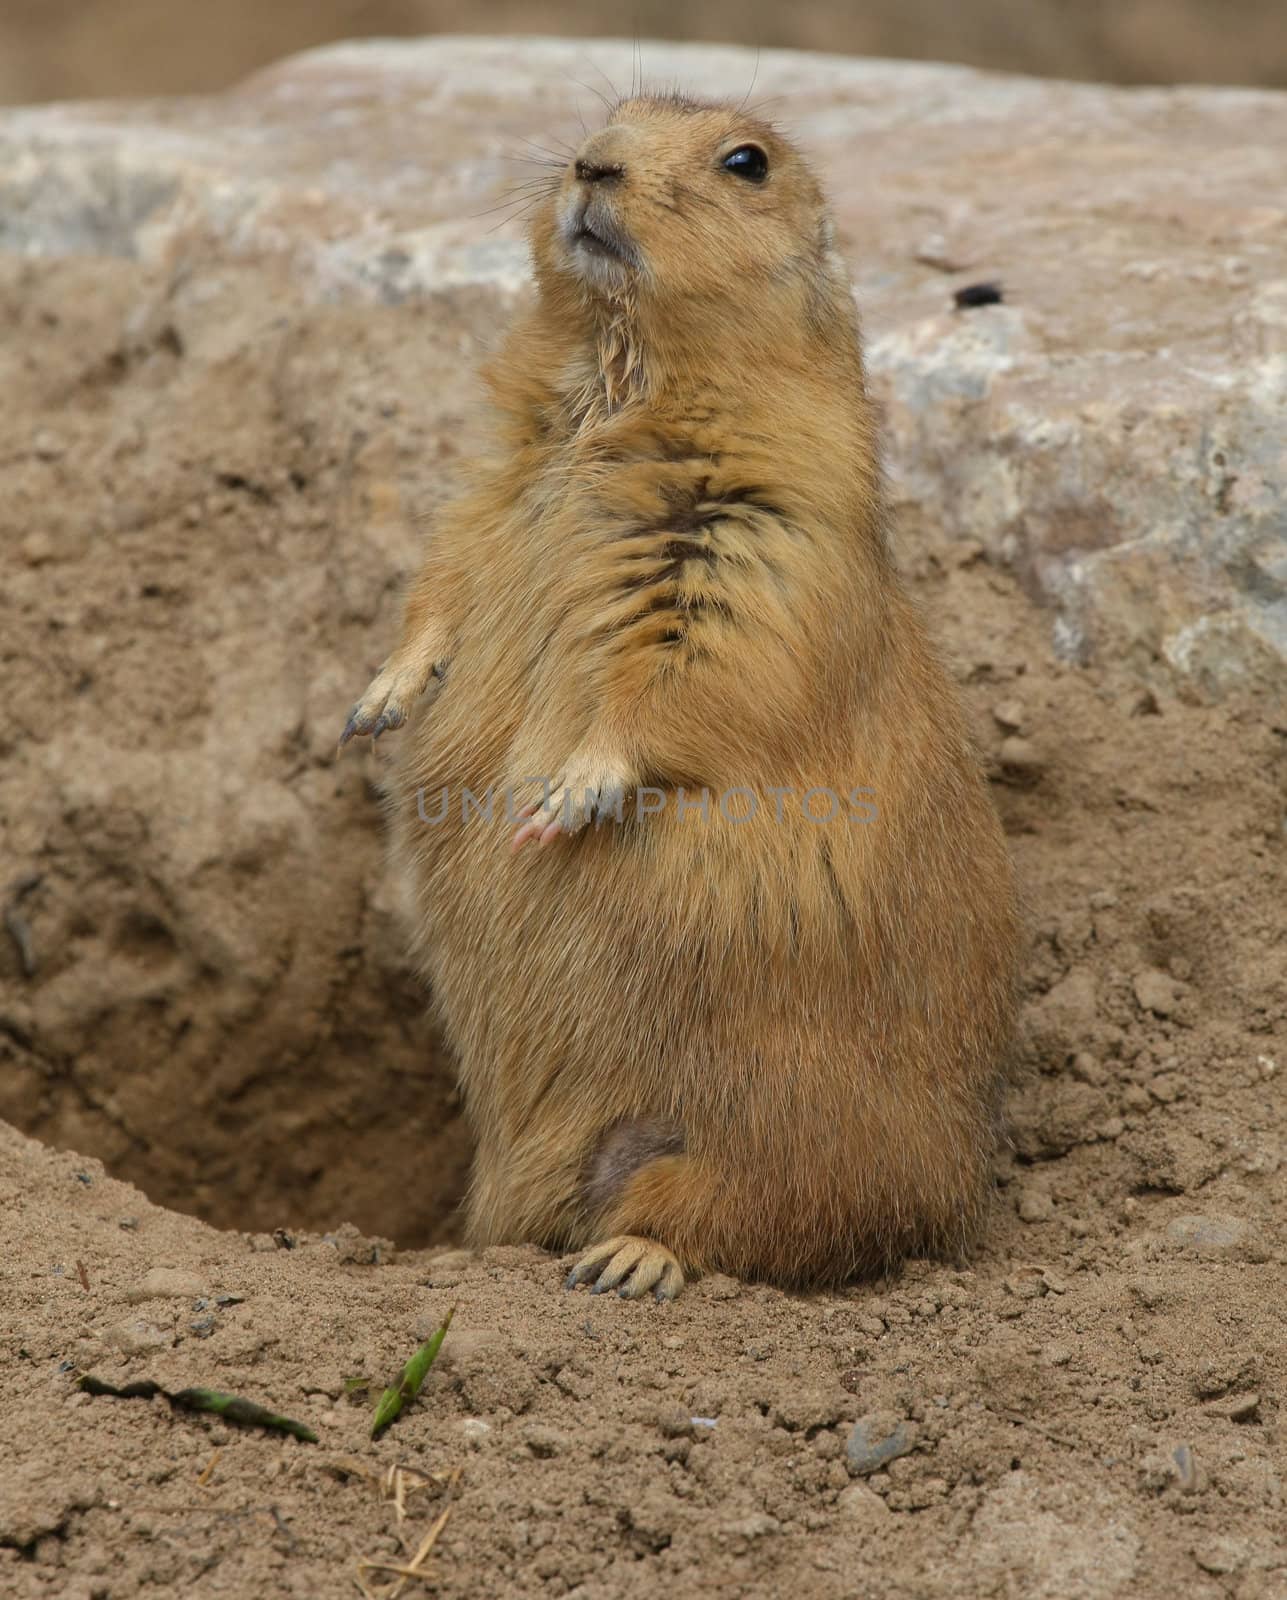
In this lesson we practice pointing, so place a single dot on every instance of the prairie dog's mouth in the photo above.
(585, 235)
(590, 231)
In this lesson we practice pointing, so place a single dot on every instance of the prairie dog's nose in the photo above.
(592, 171)
(602, 158)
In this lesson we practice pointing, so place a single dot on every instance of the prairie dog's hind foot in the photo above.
(632, 1266)
(392, 693)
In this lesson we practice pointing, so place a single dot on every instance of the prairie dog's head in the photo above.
(676, 200)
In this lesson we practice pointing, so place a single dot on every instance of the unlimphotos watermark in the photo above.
(737, 805)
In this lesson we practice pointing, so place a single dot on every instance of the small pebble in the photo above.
(858, 1503)
(877, 1439)
(1213, 1236)
(1187, 1473)
(1009, 715)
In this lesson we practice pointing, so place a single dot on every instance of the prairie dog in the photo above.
(762, 1043)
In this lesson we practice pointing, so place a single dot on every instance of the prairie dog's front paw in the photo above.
(588, 788)
(393, 691)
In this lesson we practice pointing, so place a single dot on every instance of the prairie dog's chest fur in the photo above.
(627, 526)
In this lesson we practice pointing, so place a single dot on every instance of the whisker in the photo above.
(772, 100)
(559, 156)
(513, 216)
(517, 201)
(537, 161)
(609, 105)
(754, 75)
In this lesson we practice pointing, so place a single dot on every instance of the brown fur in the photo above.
(674, 572)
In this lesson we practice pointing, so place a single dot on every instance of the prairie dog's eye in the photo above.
(747, 161)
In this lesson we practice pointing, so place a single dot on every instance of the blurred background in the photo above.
(73, 49)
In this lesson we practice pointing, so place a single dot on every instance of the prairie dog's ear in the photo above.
(829, 255)
(833, 268)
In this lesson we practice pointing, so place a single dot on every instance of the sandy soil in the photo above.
(1093, 1405)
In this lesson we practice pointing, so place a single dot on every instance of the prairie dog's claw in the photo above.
(586, 792)
(388, 702)
(632, 1266)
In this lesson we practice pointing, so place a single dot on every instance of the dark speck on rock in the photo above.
(978, 294)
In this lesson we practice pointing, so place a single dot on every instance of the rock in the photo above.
(1188, 1473)
(877, 1439)
(1213, 1236)
(166, 1283)
(1035, 1205)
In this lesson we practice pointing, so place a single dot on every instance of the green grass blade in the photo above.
(412, 1376)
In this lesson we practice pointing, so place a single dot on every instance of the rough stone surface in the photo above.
(877, 1439)
(1113, 430)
